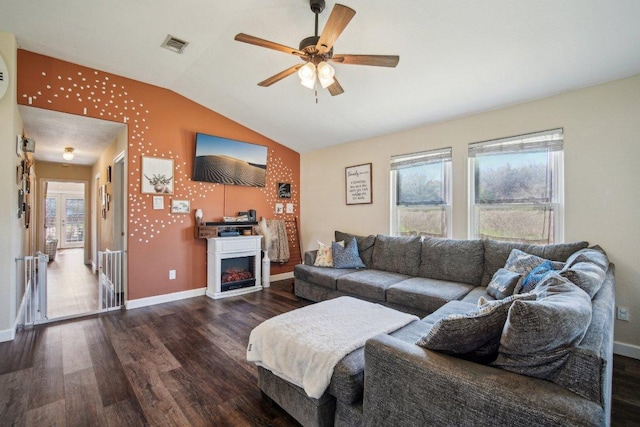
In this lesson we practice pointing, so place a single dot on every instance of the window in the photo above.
(516, 188)
(420, 194)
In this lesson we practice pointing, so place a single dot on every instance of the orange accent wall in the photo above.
(162, 124)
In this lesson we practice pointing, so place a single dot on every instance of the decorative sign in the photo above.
(358, 184)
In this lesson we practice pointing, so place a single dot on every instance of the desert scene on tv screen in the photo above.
(226, 161)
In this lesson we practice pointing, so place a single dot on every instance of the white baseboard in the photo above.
(624, 349)
(159, 299)
(7, 335)
(281, 276)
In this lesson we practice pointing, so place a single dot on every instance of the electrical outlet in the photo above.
(172, 274)
(623, 314)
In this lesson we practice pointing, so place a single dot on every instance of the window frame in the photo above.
(533, 142)
(440, 155)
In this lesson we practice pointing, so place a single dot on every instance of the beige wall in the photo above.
(11, 230)
(602, 171)
(105, 225)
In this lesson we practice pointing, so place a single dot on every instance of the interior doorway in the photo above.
(72, 287)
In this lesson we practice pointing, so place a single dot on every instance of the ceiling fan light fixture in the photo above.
(325, 74)
(68, 153)
(307, 74)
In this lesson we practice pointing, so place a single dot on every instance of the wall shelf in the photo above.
(225, 229)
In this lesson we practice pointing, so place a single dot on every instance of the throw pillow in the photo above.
(539, 335)
(346, 256)
(474, 333)
(503, 283)
(324, 257)
(365, 245)
(535, 276)
(587, 275)
(522, 263)
(496, 253)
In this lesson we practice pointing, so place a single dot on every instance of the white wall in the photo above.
(602, 177)
(11, 237)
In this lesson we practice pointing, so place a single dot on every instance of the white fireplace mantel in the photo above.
(219, 248)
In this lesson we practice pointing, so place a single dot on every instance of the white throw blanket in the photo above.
(303, 346)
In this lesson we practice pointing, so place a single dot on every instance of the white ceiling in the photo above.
(53, 131)
(457, 57)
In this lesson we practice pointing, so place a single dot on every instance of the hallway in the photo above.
(72, 288)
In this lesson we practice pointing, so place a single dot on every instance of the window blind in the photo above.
(419, 159)
(550, 140)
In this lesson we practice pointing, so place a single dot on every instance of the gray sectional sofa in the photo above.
(394, 381)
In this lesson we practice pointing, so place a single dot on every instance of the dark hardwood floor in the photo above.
(181, 363)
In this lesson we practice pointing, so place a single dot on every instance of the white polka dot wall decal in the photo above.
(44, 74)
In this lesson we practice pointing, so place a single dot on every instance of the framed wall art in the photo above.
(158, 202)
(180, 206)
(358, 184)
(284, 190)
(157, 175)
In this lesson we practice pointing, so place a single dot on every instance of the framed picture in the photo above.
(103, 195)
(180, 206)
(284, 190)
(358, 184)
(108, 174)
(158, 202)
(157, 175)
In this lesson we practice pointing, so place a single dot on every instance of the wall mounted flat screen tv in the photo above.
(226, 161)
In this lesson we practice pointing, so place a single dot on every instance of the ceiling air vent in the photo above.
(174, 44)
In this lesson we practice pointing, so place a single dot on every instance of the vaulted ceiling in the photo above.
(457, 57)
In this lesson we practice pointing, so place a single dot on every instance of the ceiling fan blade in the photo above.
(246, 38)
(375, 60)
(337, 22)
(335, 88)
(281, 75)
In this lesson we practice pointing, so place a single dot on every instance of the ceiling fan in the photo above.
(317, 51)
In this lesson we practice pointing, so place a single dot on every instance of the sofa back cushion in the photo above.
(496, 254)
(452, 260)
(365, 245)
(397, 254)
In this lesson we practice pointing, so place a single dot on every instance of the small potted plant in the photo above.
(160, 182)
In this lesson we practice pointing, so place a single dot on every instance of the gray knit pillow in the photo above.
(539, 335)
(462, 334)
(587, 275)
(523, 263)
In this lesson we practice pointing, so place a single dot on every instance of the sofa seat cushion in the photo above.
(475, 294)
(452, 260)
(322, 276)
(496, 254)
(426, 294)
(397, 254)
(369, 284)
(452, 307)
(347, 381)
